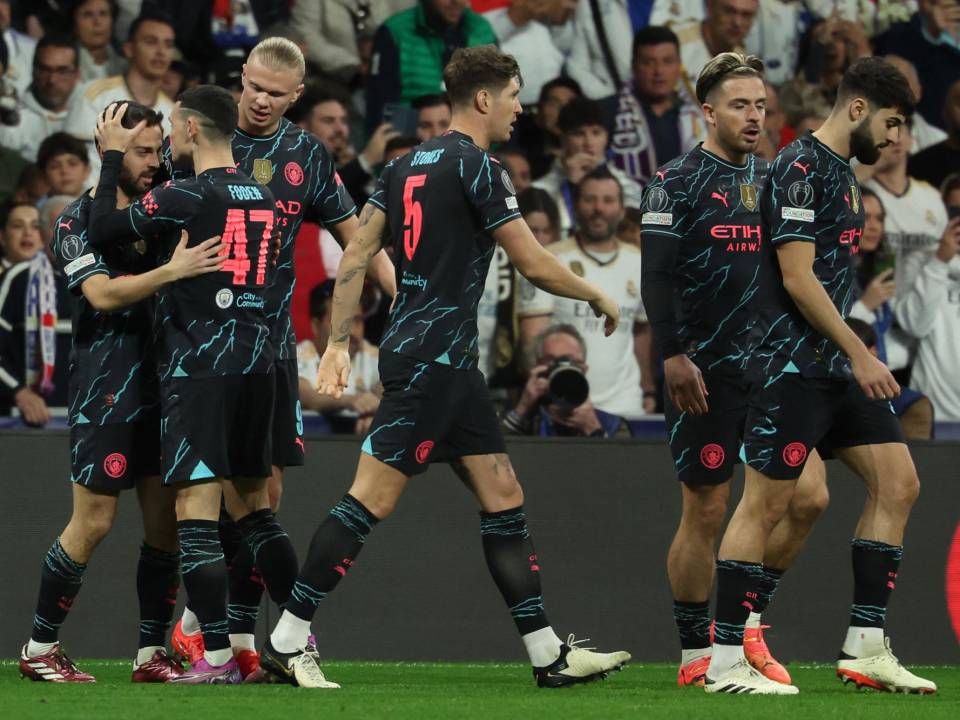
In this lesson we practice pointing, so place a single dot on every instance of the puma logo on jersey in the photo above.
(721, 198)
(803, 168)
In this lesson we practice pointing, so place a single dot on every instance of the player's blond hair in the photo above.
(278, 53)
(724, 66)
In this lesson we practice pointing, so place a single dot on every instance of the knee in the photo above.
(705, 514)
(902, 492)
(505, 493)
(380, 505)
(94, 525)
(275, 489)
(773, 508)
(806, 507)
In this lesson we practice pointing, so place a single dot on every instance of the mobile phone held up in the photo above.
(402, 118)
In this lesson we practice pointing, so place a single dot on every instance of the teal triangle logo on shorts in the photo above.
(443, 359)
(790, 368)
(201, 471)
(179, 372)
(82, 419)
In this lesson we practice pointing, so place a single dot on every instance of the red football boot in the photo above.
(53, 666)
(758, 654)
(694, 672)
(189, 647)
(160, 668)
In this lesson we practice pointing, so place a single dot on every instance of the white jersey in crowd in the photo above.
(930, 310)
(493, 292)
(914, 223)
(364, 372)
(92, 99)
(613, 370)
(533, 46)
(35, 125)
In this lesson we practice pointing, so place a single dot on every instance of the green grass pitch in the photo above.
(458, 691)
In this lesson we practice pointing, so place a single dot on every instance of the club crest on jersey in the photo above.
(262, 171)
(800, 194)
(293, 173)
(576, 267)
(657, 199)
(224, 298)
(748, 196)
(854, 199)
(631, 288)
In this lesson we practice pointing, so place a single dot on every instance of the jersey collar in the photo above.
(594, 258)
(826, 148)
(721, 161)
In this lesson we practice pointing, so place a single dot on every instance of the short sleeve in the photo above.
(78, 259)
(489, 190)
(790, 200)
(331, 202)
(665, 205)
(162, 209)
(532, 300)
(379, 196)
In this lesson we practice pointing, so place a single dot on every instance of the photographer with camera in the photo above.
(556, 399)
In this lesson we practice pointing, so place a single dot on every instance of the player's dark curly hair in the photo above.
(724, 66)
(879, 83)
(471, 70)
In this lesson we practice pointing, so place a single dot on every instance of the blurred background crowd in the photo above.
(607, 98)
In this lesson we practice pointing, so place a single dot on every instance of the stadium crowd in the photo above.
(608, 98)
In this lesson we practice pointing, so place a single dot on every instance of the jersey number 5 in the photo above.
(235, 244)
(412, 215)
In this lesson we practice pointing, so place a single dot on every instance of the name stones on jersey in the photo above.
(748, 196)
(262, 171)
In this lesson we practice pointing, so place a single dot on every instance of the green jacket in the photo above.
(409, 54)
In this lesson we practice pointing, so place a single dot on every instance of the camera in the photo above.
(567, 384)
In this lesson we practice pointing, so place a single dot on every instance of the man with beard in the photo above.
(300, 174)
(816, 386)
(618, 365)
(701, 256)
(114, 421)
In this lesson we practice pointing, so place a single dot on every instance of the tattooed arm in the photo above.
(334, 371)
(381, 269)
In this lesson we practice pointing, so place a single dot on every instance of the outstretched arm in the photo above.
(381, 269)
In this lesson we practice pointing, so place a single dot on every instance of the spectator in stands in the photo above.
(930, 41)
(523, 30)
(924, 134)
(915, 214)
(43, 107)
(537, 133)
(936, 162)
(51, 209)
(547, 412)
(604, 30)
(951, 194)
(181, 76)
(150, 51)
(773, 124)
(65, 164)
(913, 409)
(583, 141)
(433, 115)
(19, 234)
(93, 27)
(19, 50)
(32, 185)
(775, 38)
(35, 310)
(541, 214)
(515, 160)
(353, 412)
(930, 311)
(724, 28)
(874, 285)
(399, 146)
(620, 362)
(652, 123)
(335, 32)
(628, 231)
(420, 41)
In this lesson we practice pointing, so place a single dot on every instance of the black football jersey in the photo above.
(443, 199)
(701, 252)
(811, 196)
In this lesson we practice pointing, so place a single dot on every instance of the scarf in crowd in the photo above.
(41, 324)
(631, 145)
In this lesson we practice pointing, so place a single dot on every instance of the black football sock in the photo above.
(205, 578)
(693, 623)
(272, 552)
(245, 583)
(766, 588)
(875, 566)
(736, 594)
(512, 562)
(334, 547)
(59, 584)
(158, 581)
